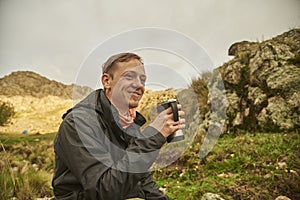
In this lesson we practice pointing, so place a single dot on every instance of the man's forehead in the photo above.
(131, 65)
(119, 58)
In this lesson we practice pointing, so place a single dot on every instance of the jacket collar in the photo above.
(110, 112)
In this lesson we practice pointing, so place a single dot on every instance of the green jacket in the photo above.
(97, 159)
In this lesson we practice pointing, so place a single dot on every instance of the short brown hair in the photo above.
(121, 57)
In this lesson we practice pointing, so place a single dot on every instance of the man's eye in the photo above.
(128, 76)
(143, 80)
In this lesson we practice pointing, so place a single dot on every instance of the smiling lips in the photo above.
(136, 94)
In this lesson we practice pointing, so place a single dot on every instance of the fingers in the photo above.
(179, 124)
(179, 106)
(180, 114)
(169, 112)
(176, 125)
(165, 123)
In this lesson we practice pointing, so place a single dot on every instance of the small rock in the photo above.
(282, 198)
(282, 165)
(211, 196)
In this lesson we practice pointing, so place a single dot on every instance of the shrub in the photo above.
(199, 86)
(6, 112)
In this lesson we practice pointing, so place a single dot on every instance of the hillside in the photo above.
(35, 115)
(27, 83)
(38, 102)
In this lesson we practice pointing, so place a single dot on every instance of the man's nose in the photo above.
(138, 83)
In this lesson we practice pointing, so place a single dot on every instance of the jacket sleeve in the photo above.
(84, 151)
(151, 190)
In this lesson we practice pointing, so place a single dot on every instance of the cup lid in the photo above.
(172, 100)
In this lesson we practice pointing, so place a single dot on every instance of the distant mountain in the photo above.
(38, 102)
(27, 83)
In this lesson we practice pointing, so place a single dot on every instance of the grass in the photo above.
(27, 166)
(250, 166)
(246, 166)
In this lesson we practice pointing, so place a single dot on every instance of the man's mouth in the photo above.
(136, 94)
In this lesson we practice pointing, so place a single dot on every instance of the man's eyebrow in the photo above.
(128, 72)
(134, 72)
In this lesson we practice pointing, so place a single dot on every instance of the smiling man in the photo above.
(124, 82)
(100, 151)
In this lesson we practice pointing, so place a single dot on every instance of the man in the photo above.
(99, 148)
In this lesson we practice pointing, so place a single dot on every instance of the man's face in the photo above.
(127, 86)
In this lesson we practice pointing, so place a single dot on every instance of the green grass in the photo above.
(248, 166)
(27, 166)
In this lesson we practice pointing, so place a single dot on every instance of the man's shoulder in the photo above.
(86, 108)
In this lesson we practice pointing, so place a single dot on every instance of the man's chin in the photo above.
(133, 103)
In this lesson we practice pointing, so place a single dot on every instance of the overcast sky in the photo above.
(55, 37)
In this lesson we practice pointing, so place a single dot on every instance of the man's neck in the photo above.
(122, 109)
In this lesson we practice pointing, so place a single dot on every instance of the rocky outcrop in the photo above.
(27, 83)
(263, 85)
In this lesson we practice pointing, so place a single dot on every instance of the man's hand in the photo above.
(165, 123)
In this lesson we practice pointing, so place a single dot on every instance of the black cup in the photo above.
(178, 135)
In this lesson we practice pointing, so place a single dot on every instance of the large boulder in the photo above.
(263, 85)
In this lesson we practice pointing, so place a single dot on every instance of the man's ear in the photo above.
(105, 80)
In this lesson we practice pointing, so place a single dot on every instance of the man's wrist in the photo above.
(154, 134)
